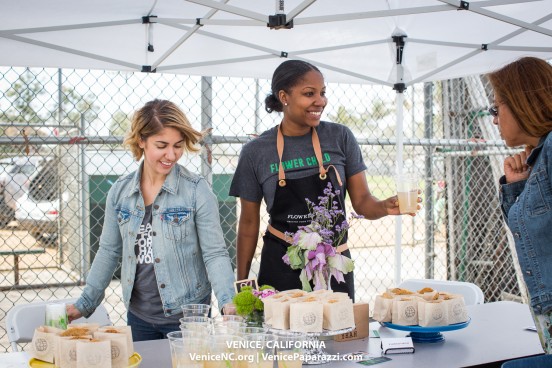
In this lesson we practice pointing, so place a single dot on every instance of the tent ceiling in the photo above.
(350, 40)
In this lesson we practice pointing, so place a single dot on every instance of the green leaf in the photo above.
(296, 258)
(305, 281)
(341, 263)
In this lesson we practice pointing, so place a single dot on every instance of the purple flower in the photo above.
(285, 258)
(313, 248)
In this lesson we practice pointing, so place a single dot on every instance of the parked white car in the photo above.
(37, 208)
(14, 181)
(39, 218)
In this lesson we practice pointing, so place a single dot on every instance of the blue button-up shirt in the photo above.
(527, 205)
(188, 245)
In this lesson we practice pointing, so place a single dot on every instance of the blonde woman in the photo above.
(163, 221)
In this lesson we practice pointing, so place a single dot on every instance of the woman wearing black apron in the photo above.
(292, 162)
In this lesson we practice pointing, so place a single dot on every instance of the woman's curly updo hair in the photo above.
(153, 117)
(286, 76)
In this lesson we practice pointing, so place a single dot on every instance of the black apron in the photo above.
(289, 211)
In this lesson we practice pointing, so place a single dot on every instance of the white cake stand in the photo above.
(314, 353)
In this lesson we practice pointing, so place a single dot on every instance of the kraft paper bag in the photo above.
(267, 302)
(68, 351)
(362, 323)
(337, 295)
(57, 355)
(297, 294)
(338, 314)
(92, 327)
(57, 351)
(306, 315)
(280, 313)
(94, 354)
(320, 293)
(405, 311)
(400, 291)
(44, 343)
(383, 307)
(76, 331)
(293, 291)
(126, 330)
(456, 308)
(119, 348)
(432, 313)
(428, 294)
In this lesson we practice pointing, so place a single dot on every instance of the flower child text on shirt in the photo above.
(314, 246)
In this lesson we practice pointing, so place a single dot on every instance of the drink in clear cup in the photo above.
(288, 349)
(183, 350)
(56, 315)
(262, 350)
(194, 310)
(407, 192)
(224, 353)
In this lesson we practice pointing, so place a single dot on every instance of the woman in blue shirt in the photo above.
(522, 110)
(164, 222)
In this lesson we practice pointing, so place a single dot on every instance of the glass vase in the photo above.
(255, 319)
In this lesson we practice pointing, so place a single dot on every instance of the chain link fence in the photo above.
(60, 151)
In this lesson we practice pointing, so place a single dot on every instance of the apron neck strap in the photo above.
(317, 151)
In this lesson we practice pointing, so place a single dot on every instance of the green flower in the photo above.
(259, 305)
(244, 302)
(249, 301)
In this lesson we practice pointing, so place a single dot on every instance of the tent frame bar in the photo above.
(218, 139)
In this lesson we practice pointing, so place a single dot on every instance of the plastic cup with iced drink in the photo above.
(407, 192)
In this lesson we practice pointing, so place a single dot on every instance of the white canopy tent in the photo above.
(351, 40)
(395, 43)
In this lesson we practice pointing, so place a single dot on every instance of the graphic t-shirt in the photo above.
(256, 176)
(145, 302)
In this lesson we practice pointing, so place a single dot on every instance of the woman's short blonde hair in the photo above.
(525, 86)
(153, 117)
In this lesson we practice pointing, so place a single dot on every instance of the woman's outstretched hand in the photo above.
(72, 312)
(391, 205)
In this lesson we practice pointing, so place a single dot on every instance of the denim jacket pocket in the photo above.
(539, 193)
(174, 222)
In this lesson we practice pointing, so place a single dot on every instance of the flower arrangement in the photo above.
(314, 246)
(249, 303)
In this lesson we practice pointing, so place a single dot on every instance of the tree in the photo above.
(368, 119)
(77, 106)
(379, 111)
(22, 95)
(120, 123)
(347, 118)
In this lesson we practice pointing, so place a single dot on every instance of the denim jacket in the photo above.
(188, 246)
(527, 206)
